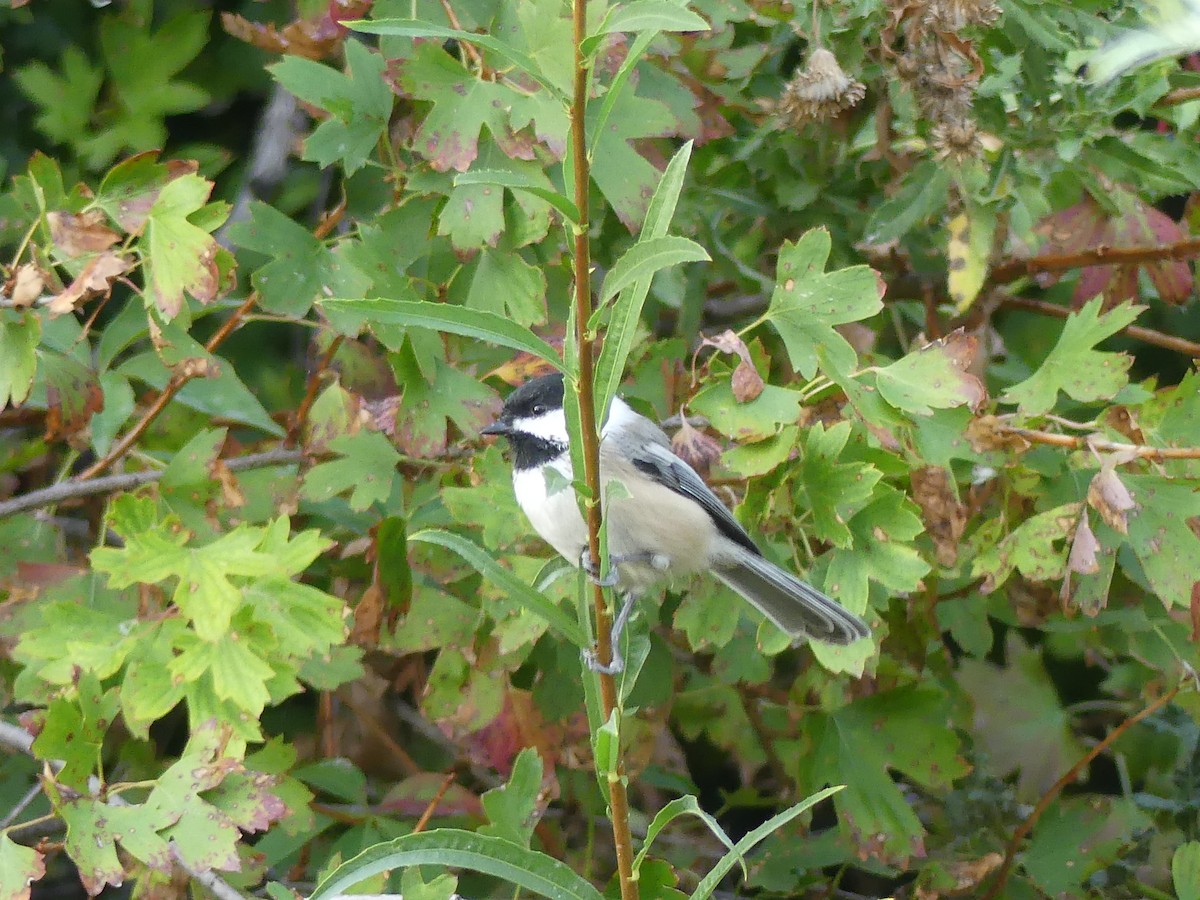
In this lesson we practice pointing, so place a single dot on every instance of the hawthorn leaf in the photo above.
(1161, 538)
(366, 468)
(514, 808)
(19, 868)
(1038, 548)
(74, 730)
(808, 302)
(179, 256)
(19, 336)
(359, 104)
(626, 178)
(504, 283)
(833, 491)
(903, 729)
(89, 844)
(934, 377)
(302, 268)
(1074, 366)
(1017, 707)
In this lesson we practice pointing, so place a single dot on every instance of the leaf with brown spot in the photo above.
(96, 279)
(935, 376)
(78, 235)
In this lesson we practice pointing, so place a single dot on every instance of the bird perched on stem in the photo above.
(666, 521)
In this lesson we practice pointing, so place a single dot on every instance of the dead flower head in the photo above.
(820, 90)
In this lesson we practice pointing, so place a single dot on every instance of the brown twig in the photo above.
(437, 798)
(468, 47)
(1072, 773)
(1102, 445)
(1137, 332)
(1013, 269)
(182, 376)
(1179, 95)
(110, 484)
(617, 798)
(310, 392)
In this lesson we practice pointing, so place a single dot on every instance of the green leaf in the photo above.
(686, 805)
(1173, 29)
(922, 194)
(708, 884)
(415, 28)
(506, 284)
(1017, 707)
(367, 468)
(645, 258)
(1030, 548)
(644, 15)
(74, 731)
(19, 335)
(1185, 871)
(520, 592)
(627, 311)
(1161, 538)
(808, 302)
(90, 845)
(616, 89)
(1073, 367)
(449, 847)
(301, 269)
(902, 729)
(180, 257)
(520, 181)
(512, 808)
(625, 178)
(472, 323)
(834, 491)
(67, 101)
(359, 104)
(19, 868)
(933, 377)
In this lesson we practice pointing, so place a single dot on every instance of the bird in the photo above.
(665, 523)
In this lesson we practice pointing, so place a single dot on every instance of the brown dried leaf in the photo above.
(231, 492)
(79, 235)
(945, 517)
(1108, 495)
(368, 618)
(1084, 546)
(984, 433)
(25, 286)
(695, 448)
(747, 383)
(96, 278)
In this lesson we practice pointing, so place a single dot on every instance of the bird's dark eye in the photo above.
(539, 408)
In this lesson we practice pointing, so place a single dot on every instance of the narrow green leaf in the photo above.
(473, 323)
(645, 258)
(686, 805)
(517, 590)
(417, 29)
(626, 312)
(709, 883)
(518, 181)
(528, 869)
(1185, 871)
(644, 15)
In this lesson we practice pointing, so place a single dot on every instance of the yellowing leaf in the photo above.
(967, 253)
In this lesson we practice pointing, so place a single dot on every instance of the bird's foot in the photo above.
(616, 663)
(660, 562)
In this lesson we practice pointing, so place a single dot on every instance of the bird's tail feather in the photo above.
(797, 608)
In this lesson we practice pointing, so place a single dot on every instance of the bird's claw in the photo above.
(593, 571)
(616, 663)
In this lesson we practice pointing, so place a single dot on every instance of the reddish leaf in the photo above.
(79, 235)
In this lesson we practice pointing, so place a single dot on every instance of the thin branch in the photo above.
(182, 376)
(1072, 773)
(310, 391)
(617, 799)
(111, 484)
(1102, 445)
(1137, 332)
(433, 804)
(1013, 269)
(1178, 96)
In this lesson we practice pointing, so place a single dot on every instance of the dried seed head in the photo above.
(952, 15)
(957, 140)
(820, 90)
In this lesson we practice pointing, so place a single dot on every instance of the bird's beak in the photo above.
(499, 427)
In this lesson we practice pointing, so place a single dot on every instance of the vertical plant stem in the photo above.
(618, 800)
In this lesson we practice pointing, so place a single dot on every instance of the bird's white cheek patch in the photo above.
(550, 425)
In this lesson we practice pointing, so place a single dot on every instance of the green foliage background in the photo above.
(264, 656)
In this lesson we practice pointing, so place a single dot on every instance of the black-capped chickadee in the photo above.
(665, 523)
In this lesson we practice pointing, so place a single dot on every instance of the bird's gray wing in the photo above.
(659, 463)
